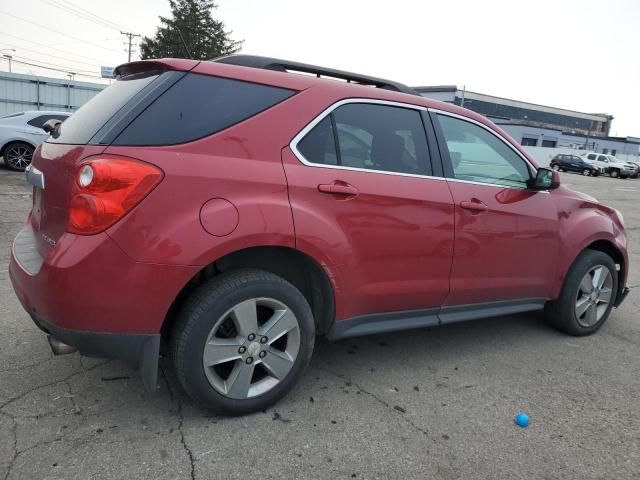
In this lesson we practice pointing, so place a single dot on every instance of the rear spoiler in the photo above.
(161, 65)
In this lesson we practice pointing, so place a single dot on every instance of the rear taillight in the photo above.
(105, 189)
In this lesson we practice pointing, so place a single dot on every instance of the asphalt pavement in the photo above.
(430, 403)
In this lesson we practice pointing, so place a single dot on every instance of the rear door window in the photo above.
(369, 137)
(38, 122)
(198, 106)
(319, 145)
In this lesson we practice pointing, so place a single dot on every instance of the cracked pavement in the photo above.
(431, 403)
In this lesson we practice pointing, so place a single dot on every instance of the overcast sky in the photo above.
(582, 55)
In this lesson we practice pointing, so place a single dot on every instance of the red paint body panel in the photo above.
(87, 283)
(388, 248)
(401, 243)
(509, 251)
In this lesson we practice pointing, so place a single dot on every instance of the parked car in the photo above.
(21, 133)
(573, 163)
(609, 164)
(636, 167)
(228, 212)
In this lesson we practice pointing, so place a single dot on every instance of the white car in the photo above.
(609, 164)
(21, 133)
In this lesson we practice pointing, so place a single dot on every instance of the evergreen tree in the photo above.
(204, 37)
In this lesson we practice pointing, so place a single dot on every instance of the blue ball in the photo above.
(522, 419)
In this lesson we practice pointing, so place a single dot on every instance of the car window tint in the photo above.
(371, 137)
(39, 121)
(479, 156)
(83, 124)
(319, 146)
(591, 156)
(198, 106)
(381, 137)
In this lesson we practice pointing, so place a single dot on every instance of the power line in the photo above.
(57, 31)
(67, 71)
(82, 13)
(52, 56)
(48, 47)
(78, 7)
(63, 68)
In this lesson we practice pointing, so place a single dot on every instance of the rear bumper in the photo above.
(139, 350)
(88, 293)
(89, 283)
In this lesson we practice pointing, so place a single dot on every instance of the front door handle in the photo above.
(475, 205)
(338, 188)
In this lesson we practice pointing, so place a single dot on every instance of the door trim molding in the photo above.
(409, 319)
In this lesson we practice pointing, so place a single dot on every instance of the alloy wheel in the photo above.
(594, 295)
(586, 172)
(251, 348)
(18, 157)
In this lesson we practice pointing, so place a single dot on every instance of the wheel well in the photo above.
(294, 266)
(4, 147)
(610, 249)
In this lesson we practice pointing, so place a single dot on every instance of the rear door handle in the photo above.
(338, 188)
(475, 205)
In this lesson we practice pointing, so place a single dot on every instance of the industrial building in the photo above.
(539, 125)
(20, 92)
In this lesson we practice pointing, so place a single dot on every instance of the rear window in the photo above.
(38, 122)
(80, 127)
(198, 106)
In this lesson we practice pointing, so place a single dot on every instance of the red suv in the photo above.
(228, 212)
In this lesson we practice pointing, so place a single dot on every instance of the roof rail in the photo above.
(280, 65)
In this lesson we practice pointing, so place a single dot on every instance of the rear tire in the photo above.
(242, 341)
(581, 308)
(556, 167)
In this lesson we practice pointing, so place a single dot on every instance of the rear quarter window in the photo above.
(198, 106)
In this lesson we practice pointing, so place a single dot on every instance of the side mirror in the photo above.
(51, 127)
(545, 179)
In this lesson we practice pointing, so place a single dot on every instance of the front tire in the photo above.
(587, 296)
(242, 341)
(614, 173)
(586, 172)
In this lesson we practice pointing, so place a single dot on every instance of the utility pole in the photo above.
(464, 90)
(9, 57)
(131, 36)
(586, 141)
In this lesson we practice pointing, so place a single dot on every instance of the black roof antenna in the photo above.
(184, 44)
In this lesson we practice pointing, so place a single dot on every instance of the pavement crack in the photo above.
(383, 402)
(175, 400)
(76, 408)
(14, 432)
(62, 380)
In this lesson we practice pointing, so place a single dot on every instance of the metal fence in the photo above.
(19, 92)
